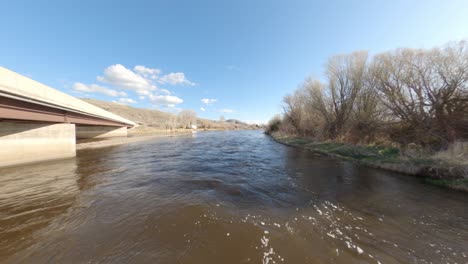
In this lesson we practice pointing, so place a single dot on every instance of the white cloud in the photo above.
(166, 100)
(165, 91)
(226, 110)
(175, 78)
(202, 109)
(143, 92)
(208, 100)
(94, 88)
(124, 78)
(147, 72)
(140, 80)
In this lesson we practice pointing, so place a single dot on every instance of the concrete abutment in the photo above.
(22, 143)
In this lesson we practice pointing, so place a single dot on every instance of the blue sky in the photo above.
(243, 55)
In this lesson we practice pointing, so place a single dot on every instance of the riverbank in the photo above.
(434, 171)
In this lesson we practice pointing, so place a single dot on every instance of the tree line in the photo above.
(404, 96)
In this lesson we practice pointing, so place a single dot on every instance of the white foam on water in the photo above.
(269, 253)
(359, 250)
(338, 231)
(288, 228)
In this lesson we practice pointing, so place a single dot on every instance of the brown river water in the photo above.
(224, 197)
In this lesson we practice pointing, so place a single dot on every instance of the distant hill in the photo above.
(140, 116)
(237, 122)
(149, 119)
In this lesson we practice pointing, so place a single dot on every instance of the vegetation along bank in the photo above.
(404, 110)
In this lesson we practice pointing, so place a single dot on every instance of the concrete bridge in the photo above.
(40, 123)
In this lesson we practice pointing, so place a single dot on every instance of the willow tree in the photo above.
(426, 89)
(345, 75)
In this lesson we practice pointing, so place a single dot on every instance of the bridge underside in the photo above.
(31, 132)
(20, 110)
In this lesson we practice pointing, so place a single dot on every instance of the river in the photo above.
(224, 197)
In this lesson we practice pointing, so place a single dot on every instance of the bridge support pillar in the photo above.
(33, 142)
(100, 131)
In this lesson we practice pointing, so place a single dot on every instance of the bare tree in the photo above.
(171, 122)
(292, 110)
(446, 88)
(205, 124)
(345, 79)
(187, 118)
(274, 124)
(426, 90)
(416, 95)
